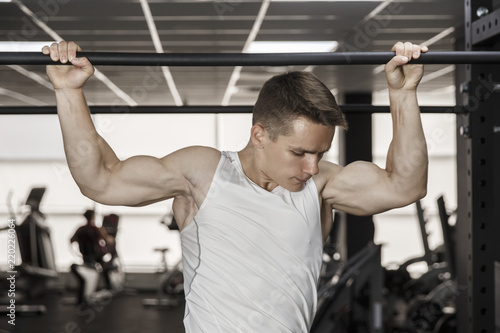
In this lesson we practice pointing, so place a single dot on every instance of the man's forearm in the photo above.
(407, 158)
(87, 153)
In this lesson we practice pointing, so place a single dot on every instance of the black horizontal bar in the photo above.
(120, 109)
(254, 59)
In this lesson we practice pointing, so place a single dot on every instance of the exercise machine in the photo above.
(352, 301)
(170, 281)
(426, 304)
(36, 264)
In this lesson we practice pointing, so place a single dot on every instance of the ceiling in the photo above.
(218, 26)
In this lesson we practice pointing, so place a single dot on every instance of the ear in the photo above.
(258, 136)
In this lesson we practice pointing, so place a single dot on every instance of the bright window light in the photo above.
(5, 0)
(22, 46)
(292, 47)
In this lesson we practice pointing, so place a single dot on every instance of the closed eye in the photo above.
(301, 153)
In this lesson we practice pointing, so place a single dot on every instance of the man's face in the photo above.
(293, 159)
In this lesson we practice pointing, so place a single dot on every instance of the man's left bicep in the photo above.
(361, 188)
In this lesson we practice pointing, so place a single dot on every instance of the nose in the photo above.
(310, 165)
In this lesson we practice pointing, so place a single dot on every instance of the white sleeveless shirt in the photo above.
(251, 258)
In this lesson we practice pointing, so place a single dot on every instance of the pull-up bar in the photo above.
(253, 59)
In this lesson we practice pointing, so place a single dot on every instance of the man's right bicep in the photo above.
(138, 181)
(142, 180)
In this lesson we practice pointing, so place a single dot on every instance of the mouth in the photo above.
(302, 181)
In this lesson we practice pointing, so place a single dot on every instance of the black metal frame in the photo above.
(478, 172)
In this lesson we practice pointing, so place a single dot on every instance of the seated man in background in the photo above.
(93, 243)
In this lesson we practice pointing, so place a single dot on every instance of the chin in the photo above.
(295, 187)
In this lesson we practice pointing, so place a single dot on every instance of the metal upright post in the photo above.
(358, 146)
(477, 171)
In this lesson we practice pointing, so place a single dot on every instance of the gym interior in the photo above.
(432, 266)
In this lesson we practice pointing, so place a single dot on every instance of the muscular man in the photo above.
(252, 221)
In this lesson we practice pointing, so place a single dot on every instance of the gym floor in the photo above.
(123, 313)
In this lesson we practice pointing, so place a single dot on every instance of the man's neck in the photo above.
(250, 163)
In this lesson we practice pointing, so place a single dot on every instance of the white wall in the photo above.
(31, 154)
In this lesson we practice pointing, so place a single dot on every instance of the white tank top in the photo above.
(251, 257)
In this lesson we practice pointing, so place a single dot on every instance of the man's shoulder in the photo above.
(193, 156)
(201, 156)
(197, 162)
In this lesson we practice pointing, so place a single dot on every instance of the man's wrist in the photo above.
(66, 89)
(71, 95)
(67, 92)
(402, 94)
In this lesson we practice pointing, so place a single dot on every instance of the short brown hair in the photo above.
(286, 97)
(89, 214)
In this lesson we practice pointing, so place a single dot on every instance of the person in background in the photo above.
(91, 241)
